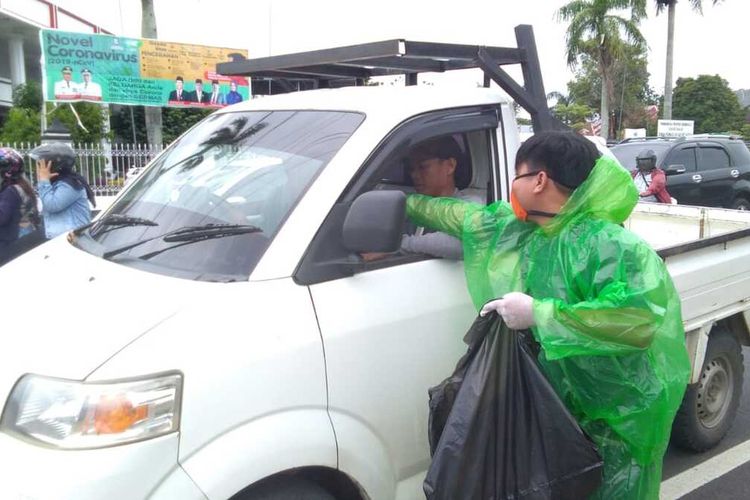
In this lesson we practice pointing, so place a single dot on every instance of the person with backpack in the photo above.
(18, 209)
(65, 194)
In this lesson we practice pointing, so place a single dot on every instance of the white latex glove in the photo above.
(516, 308)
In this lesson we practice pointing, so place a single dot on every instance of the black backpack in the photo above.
(29, 212)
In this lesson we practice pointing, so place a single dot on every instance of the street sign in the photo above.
(634, 133)
(675, 128)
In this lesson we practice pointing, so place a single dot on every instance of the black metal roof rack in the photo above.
(731, 137)
(353, 64)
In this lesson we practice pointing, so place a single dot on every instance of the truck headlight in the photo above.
(73, 415)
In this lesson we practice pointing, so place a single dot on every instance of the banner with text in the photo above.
(674, 128)
(117, 70)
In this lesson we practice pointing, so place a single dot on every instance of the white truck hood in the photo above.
(66, 312)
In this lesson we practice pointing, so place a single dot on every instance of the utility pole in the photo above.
(153, 113)
(670, 62)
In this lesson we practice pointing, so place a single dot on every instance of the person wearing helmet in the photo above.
(65, 194)
(650, 181)
(17, 202)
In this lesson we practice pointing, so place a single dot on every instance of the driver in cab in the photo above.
(432, 166)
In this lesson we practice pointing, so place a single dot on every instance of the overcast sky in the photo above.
(708, 44)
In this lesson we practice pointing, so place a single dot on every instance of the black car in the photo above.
(705, 170)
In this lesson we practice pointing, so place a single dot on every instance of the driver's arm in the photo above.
(436, 244)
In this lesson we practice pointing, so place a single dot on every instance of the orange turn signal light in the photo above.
(115, 414)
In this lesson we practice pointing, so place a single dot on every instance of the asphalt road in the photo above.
(710, 469)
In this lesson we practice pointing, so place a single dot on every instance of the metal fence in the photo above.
(105, 168)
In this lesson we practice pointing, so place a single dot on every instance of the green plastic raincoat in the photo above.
(606, 311)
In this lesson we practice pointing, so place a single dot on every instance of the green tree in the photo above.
(126, 130)
(586, 86)
(91, 116)
(523, 121)
(178, 120)
(175, 121)
(572, 114)
(670, 5)
(631, 90)
(596, 29)
(28, 95)
(21, 125)
(708, 101)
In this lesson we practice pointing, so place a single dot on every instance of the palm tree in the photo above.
(596, 29)
(670, 5)
(558, 97)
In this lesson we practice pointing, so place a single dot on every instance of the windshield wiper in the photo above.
(187, 235)
(117, 220)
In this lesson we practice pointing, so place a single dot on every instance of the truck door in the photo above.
(683, 182)
(394, 328)
(717, 175)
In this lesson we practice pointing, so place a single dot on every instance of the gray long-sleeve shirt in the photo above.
(438, 244)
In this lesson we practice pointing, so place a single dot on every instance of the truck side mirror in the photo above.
(675, 169)
(374, 222)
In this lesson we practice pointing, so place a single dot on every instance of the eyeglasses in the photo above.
(527, 174)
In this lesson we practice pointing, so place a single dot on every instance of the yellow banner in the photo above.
(167, 60)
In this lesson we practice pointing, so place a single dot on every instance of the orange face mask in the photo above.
(521, 213)
(518, 210)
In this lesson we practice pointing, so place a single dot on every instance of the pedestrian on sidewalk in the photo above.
(65, 194)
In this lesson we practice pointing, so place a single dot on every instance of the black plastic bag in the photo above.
(498, 430)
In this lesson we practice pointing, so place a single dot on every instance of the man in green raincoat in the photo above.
(597, 298)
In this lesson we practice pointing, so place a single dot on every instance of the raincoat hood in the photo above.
(607, 194)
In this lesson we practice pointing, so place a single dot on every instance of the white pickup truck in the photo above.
(215, 335)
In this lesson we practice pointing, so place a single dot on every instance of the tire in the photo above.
(285, 488)
(740, 203)
(709, 407)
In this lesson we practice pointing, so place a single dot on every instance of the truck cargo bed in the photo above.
(707, 252)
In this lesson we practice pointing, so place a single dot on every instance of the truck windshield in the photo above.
(243, 170)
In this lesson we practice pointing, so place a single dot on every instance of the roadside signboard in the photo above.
(633, 133)
(118, 70)
(675, 128)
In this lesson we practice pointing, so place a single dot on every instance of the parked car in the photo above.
(705, 170)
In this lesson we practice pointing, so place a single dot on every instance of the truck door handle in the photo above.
(697, 178)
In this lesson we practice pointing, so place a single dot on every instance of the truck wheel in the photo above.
(709, 406)
(740, 204)
(285, 488)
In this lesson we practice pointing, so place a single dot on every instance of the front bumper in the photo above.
(147, 469)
